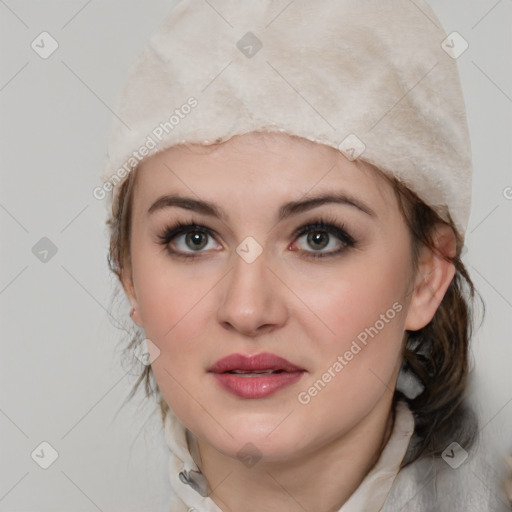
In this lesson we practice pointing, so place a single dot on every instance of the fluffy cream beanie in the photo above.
(375, 79)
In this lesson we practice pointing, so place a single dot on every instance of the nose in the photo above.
(252, 300)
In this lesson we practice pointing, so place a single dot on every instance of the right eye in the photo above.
(185, 236)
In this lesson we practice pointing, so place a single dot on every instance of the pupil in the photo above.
(316, 236)
(195, 237)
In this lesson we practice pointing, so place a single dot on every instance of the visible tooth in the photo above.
(253, 375)
(256, 372)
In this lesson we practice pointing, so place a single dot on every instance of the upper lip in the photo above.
(256, 362)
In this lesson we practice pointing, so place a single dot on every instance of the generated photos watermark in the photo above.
(362, 339)
(150, 144)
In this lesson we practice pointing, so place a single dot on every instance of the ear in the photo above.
(433, 277)
(129, 289)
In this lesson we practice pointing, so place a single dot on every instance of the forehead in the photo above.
(259, 168)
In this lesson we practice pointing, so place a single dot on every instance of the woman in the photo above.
(291, 188)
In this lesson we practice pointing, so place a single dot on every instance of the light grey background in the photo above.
(61, 376)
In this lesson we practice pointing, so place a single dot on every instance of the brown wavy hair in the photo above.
(437, 355)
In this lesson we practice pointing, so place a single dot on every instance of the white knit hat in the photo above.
(375, 79)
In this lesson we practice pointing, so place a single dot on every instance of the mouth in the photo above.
(256, 376)
(255, 365)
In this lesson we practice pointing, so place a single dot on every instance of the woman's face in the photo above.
(251, 284)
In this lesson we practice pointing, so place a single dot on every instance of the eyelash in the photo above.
(328, 225)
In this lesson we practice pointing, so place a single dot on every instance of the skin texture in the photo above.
(309, 311)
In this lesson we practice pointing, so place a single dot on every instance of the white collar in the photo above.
(190, 487)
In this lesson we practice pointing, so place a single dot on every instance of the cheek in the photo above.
(167, 292)
(175, 310)
(354, 296)
(175, 304)
(359, 338)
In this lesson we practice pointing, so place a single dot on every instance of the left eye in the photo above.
(318, 239)
(319, 236)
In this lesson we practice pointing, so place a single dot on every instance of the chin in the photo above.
(250, 449)
(263, 436)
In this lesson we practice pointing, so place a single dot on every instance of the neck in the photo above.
(321, 480)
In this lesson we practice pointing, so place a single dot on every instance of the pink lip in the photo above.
(261, 361)
(255, 386)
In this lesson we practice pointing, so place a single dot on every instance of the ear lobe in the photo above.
(129, 289)
(433, 278)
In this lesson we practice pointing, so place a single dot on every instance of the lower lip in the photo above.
(256, 387)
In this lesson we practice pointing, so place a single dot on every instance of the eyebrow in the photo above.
(285, 211)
